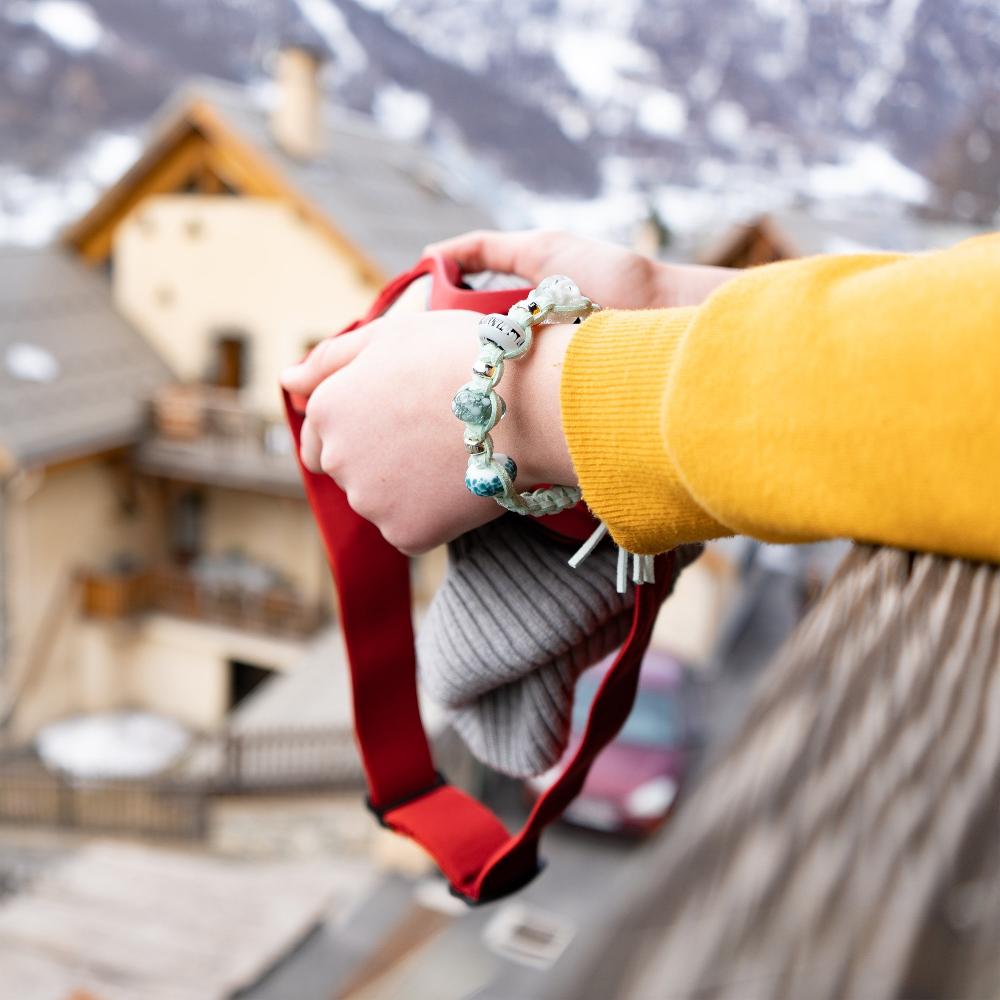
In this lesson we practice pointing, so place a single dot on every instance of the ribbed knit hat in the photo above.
(509, 632)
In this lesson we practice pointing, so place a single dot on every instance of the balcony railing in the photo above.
(205, 434)
(274, 610)
(176, 804)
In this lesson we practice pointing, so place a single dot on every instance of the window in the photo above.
(230, 363)
(186, 526)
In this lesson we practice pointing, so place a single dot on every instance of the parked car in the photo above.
(634, 782)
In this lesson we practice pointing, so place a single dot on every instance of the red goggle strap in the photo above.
(473, 849)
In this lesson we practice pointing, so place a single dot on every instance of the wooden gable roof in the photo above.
(377, 199)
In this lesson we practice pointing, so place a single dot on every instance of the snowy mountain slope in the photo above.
(565, 97)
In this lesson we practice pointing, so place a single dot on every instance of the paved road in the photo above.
(454, 962)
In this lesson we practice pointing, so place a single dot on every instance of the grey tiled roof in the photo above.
(388, 196)
(104, 370)
(819, 230)
(816, 232)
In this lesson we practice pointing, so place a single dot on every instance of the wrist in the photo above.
(687, 285)
(532, 430)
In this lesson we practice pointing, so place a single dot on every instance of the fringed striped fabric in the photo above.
(847, 844)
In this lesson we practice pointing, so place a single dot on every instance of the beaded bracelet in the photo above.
(480, 407)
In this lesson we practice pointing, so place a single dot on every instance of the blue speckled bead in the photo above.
(472, 406)
(483, 479)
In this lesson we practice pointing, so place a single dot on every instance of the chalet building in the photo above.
(156, 550)
(790, 233)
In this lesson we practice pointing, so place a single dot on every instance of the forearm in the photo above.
(831, 397)
(688, 285)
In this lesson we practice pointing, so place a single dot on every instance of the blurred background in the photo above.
(191, 195)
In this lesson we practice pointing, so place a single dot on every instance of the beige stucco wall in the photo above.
(172, 665)
(61, 520)
(156, 662)
(277, 531)
(189, 266)
(58, 521)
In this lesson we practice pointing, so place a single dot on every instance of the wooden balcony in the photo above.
(176, 803)
(275, 610)
(206, 435)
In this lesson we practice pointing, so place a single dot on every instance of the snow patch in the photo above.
(109, 155)
(597, 65)
(31, 363)
(867, 171)
(574, 122)
(662, 114)
(331, 25)
(610, 216)
(125, 744)
(403, 114)
(727, 123)
(69, 23)
(33, 208)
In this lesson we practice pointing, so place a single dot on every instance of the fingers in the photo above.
(488, 250)
(311, 447)
(326, 357)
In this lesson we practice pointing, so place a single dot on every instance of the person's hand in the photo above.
(379, 421)
(611, 275)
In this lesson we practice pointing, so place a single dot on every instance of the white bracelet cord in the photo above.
(643, 567)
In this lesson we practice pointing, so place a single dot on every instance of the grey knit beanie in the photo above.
(508, 633)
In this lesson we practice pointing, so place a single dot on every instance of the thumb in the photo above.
(324, 359)
(488, 250)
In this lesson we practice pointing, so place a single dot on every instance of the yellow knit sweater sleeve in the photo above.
(854, 396)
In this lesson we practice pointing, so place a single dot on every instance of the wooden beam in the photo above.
(178, 167)
(208, 181)
(200, 148)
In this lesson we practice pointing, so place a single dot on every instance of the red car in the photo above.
(633, 784)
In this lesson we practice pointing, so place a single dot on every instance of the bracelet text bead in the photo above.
(502, 331)
(480, 407)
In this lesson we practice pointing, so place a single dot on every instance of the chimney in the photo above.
(297, 119)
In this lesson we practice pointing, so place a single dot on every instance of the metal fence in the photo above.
(177, 804)
(277, 760)
(32, 795)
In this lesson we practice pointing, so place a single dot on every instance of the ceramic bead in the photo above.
(502, 331)
(561, 291)
(483, 479)
(472, 406)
